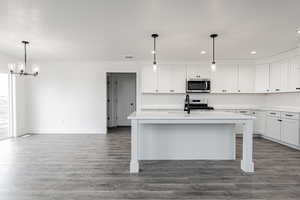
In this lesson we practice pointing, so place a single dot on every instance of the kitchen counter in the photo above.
(227, 107)
(194, 115)
(201, 135)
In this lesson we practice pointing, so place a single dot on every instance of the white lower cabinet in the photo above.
(273, 127)
(290, 131)
(259, 122)
(283, 126)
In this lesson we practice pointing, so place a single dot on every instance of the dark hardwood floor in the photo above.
(84, 167)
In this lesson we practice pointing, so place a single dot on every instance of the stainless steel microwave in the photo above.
(198, 86)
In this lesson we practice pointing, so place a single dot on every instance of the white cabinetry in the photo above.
(279, 76)
(171, 79)
(290, 131)
(198, 71)
(148, 80)
(262, 78)
(290, 128)
(259, 122)
(166, 79)
(246, 74)
(294, 74)
(283, 127)
(224, 79)
(273, 127)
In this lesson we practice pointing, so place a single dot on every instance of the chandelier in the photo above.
(21, 68)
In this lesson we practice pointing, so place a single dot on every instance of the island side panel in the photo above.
(134, 163)
(187, 142)
(247, 162)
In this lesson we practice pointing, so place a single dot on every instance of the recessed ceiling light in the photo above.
(203, 52)
(253, 52)
(298, 31)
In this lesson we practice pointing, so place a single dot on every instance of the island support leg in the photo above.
(247, 163)
(134, 163)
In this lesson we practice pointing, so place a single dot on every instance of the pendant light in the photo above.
(21, 68)
(213, 63)
(154, 36)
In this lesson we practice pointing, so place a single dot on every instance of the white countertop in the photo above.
(228, 107)
(205, 115)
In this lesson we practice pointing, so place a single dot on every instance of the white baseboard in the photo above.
(65, 131)
(280, 142)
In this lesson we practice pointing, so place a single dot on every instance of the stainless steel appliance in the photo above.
(194, 104)
(198, 86)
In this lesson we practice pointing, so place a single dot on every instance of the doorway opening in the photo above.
(121, 100)
(4, 106)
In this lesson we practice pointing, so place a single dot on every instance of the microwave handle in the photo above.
(206, 86)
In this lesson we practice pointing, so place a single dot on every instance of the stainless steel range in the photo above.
(196, 103)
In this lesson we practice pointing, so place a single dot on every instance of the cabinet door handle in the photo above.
(277, 89)
(289, 115)
(156, 90)
(239, 90)
(297, 88)
(279, 120)
(243, 111)
(172, 90)
(272, 113)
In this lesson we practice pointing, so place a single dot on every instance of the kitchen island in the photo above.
(176, 135)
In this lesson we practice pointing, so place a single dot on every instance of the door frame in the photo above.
(137, 96)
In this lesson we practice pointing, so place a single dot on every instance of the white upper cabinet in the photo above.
(148, 79)
(198, 71)
(279, 76)
(225, 78)
(262, 78)
(171, 78)
(294, 74)
(246, 74)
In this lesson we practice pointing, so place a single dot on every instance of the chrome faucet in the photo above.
(187, 104)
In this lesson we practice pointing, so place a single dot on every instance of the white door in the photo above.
(273, 128)
(225, 78)
(262, 78)
(126, 98)
(148, 79)
(290, 131)
(246, 74)
(171, 79)
(198, 71)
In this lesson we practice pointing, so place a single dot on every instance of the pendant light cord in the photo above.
(25, 56)
(213, 50)
(154, 50)
(213, 36)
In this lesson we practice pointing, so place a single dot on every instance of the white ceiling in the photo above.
(110, 29)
